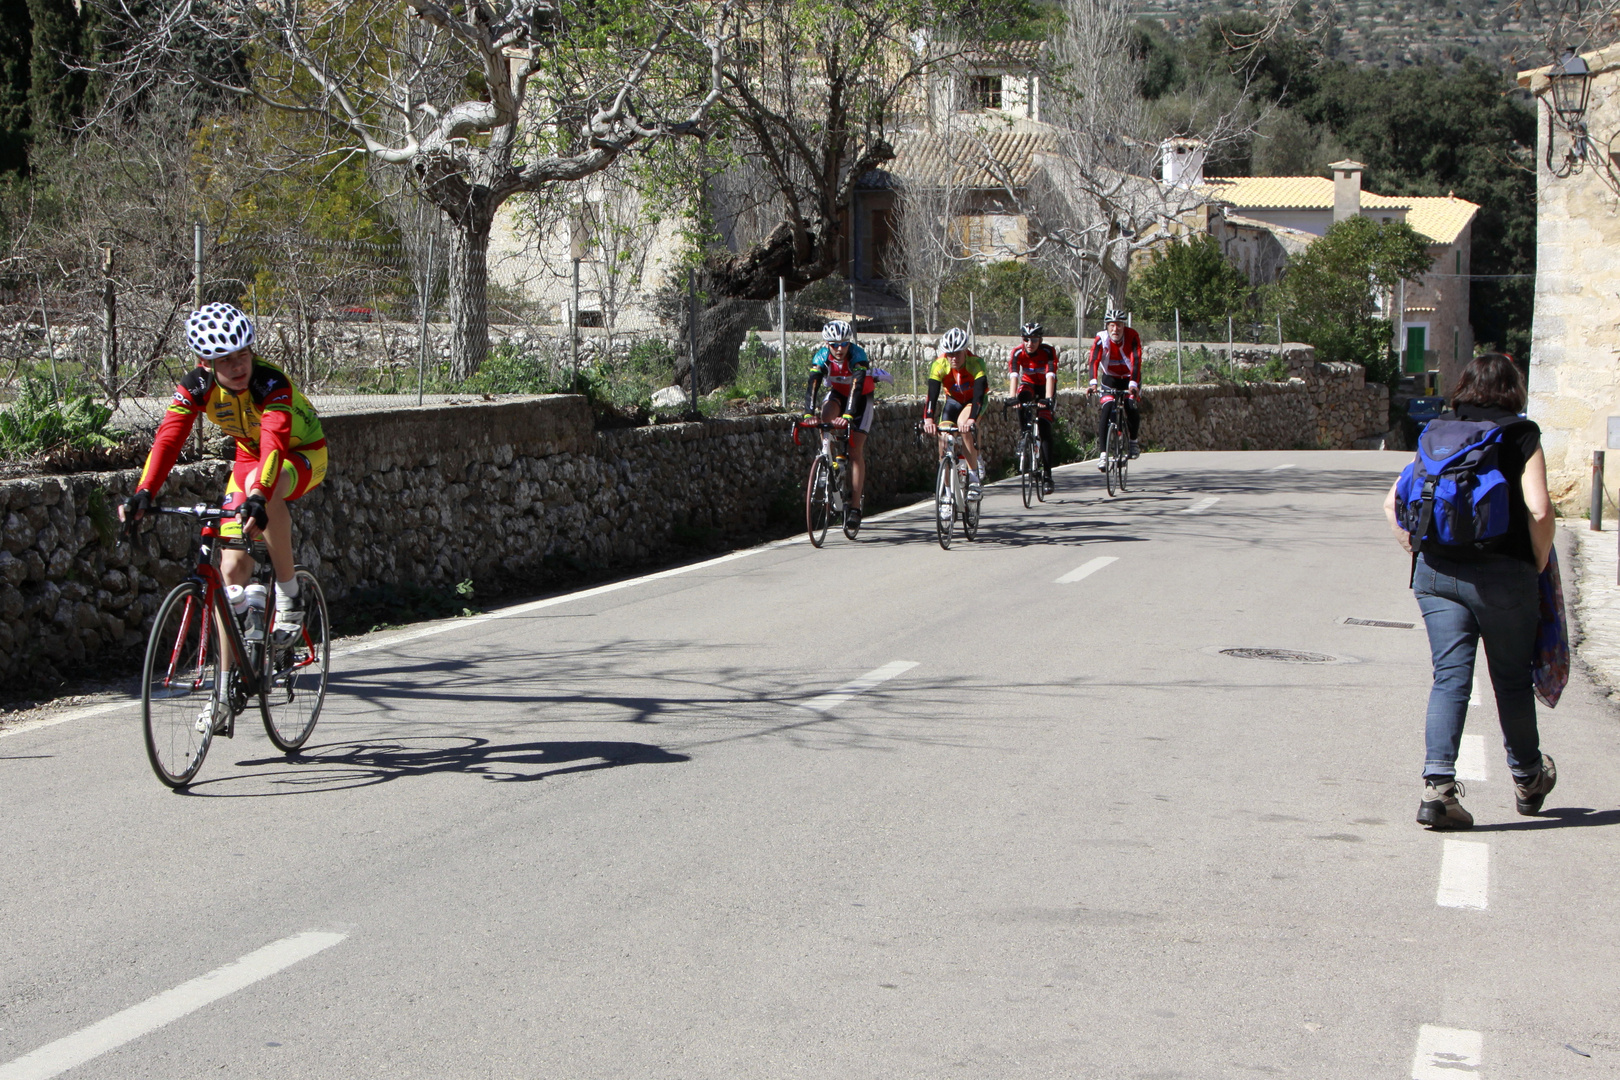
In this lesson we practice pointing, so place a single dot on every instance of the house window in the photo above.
(987, 91)
(1458, 253)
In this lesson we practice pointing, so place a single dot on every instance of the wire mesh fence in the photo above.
(363, 325)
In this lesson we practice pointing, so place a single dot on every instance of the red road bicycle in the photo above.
(826, 490)
(204, 664)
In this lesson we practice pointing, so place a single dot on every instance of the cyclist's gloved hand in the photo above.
(253, 511)
(1092, 386)
(809, 418)
(135, 508)
(849, 420)
(1132, 387)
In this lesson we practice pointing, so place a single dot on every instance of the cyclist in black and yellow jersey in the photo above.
(966, 383)
(280, 448)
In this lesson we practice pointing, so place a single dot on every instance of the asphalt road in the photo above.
(878, 810)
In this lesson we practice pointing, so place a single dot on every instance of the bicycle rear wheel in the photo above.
(181, 687)
(1124, 460)
(970, 518)
(293, 676)
(817, 497)
(944, 504)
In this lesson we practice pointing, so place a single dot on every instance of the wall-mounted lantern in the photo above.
(1569, 86)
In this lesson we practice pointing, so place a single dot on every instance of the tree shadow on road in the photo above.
(1562, 817)
(339, 766)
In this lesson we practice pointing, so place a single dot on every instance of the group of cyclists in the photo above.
(281, 450)
(959, 383)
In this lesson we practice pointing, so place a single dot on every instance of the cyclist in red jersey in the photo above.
(1116, 371)
(1032, 376)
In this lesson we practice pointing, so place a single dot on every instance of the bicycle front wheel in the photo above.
(817, 496)
(944, 504)
(1026, 473)
(1111, 458)
(181, 688)
(1043, 455)
(294, 671)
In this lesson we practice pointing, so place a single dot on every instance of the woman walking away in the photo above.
(1475, 575)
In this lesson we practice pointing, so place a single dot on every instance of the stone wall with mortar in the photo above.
(513, 495)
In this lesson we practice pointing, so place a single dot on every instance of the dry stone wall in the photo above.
(515, 494)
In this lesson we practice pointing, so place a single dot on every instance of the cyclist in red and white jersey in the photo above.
(850, 403)
(1032, 376)
(1116, 372)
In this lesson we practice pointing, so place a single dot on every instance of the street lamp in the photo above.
(1569, 86)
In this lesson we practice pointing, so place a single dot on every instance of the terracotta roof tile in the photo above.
(1442, 219)
(978, 161)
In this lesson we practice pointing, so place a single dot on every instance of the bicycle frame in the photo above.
(207, 575)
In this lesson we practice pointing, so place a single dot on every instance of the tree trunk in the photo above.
(721, 330)
(468, 288)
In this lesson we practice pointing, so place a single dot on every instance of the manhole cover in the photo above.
(1285, 656)
(1381, 622)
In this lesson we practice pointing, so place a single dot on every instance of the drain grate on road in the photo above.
(1386, 624)
(1282, 656)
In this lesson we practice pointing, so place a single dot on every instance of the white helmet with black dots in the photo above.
(217, 329)
(837, 332)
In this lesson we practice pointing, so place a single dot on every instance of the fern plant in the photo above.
(40, 421)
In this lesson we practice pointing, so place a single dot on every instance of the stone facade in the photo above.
(1575, 339)
(514, 495)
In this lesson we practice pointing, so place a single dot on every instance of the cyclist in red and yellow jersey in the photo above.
(966, 383)
(280, 448)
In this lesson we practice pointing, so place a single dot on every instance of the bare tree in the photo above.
(926, 241)
(815, 98)
(1097, 200)
(477, 102)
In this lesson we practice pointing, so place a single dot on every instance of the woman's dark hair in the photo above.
(1492, 381)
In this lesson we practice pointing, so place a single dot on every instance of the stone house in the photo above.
(1575, 337)
(1261, 221)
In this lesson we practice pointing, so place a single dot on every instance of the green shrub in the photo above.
(40, 421)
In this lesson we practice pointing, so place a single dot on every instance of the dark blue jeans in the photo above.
(1494, 598)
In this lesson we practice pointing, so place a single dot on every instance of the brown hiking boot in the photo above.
(1440, 808)
(1532, 791)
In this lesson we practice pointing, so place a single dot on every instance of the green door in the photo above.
(1416, 345)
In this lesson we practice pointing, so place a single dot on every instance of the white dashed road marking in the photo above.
(1471, 759)
(834, 698)
(1202, 504)
(1446, 1053)
(137, 1020)
(1280, 468)
(1087, 569)
(1464, 874)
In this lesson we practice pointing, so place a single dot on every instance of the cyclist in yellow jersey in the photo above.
(280, 448)
(966, 382)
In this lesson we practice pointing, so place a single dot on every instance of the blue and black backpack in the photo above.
(1453, 492)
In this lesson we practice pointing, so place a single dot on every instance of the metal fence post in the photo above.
(1597, 491)
(781, 311)
(1021, 319)
(109, 323)
(424, 291)
(573, 330)
(972, 331)
(1279, 337)
(691, 331)
(1079, 338)
(1231, 359)
(196, 265)
(1178, 346)
(911, 305)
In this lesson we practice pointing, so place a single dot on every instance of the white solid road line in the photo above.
(109, 1034)
(1464, 875)
(834, 698)
(1280, 468)
(1446, 1053)
(1471, 759)
(1202, 504)
(1087, 569)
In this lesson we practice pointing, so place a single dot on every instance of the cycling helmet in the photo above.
(837, 332)
(953, 340)
(1115, 314)
(218, 329)
(1033, 329)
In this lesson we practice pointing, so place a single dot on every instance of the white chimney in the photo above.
(1183, 161)
(1346, 189)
